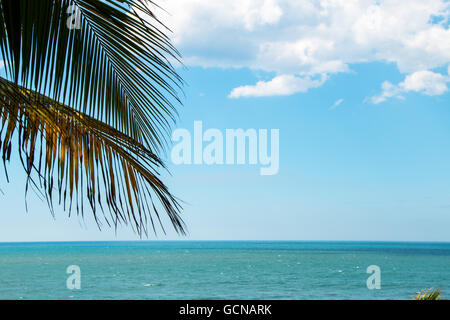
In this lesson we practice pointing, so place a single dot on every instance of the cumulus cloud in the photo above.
(425, 82)
(311, 37)
(278, 86)
(428, 82)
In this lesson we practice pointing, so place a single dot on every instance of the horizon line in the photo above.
(203, 240)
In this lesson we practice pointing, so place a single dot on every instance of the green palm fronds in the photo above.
(91, 107)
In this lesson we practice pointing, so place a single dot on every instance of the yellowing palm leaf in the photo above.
(91, 107)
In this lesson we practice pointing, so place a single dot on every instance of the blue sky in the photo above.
(363, 114)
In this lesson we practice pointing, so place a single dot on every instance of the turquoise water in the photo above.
(222, 270)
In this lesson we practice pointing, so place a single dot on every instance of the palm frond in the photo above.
(429, 294)
(86, 158)
(114, 66)
(91, 106)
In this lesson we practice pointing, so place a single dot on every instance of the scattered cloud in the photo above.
(336, 104)
(425, 82)
(278, 86)
(301, 39)
(388, 91)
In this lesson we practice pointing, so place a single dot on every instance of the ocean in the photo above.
(221, 270)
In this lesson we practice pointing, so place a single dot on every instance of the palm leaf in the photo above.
(89, 159)
(91, 106)
(114, 67)
(429, 294)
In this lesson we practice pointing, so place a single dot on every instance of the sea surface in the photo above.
(222, 270)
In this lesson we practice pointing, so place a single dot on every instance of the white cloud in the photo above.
(278, 86)
(425, 82)
(2, 64)
(310, 37)
(336, 104)
(388, 90)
